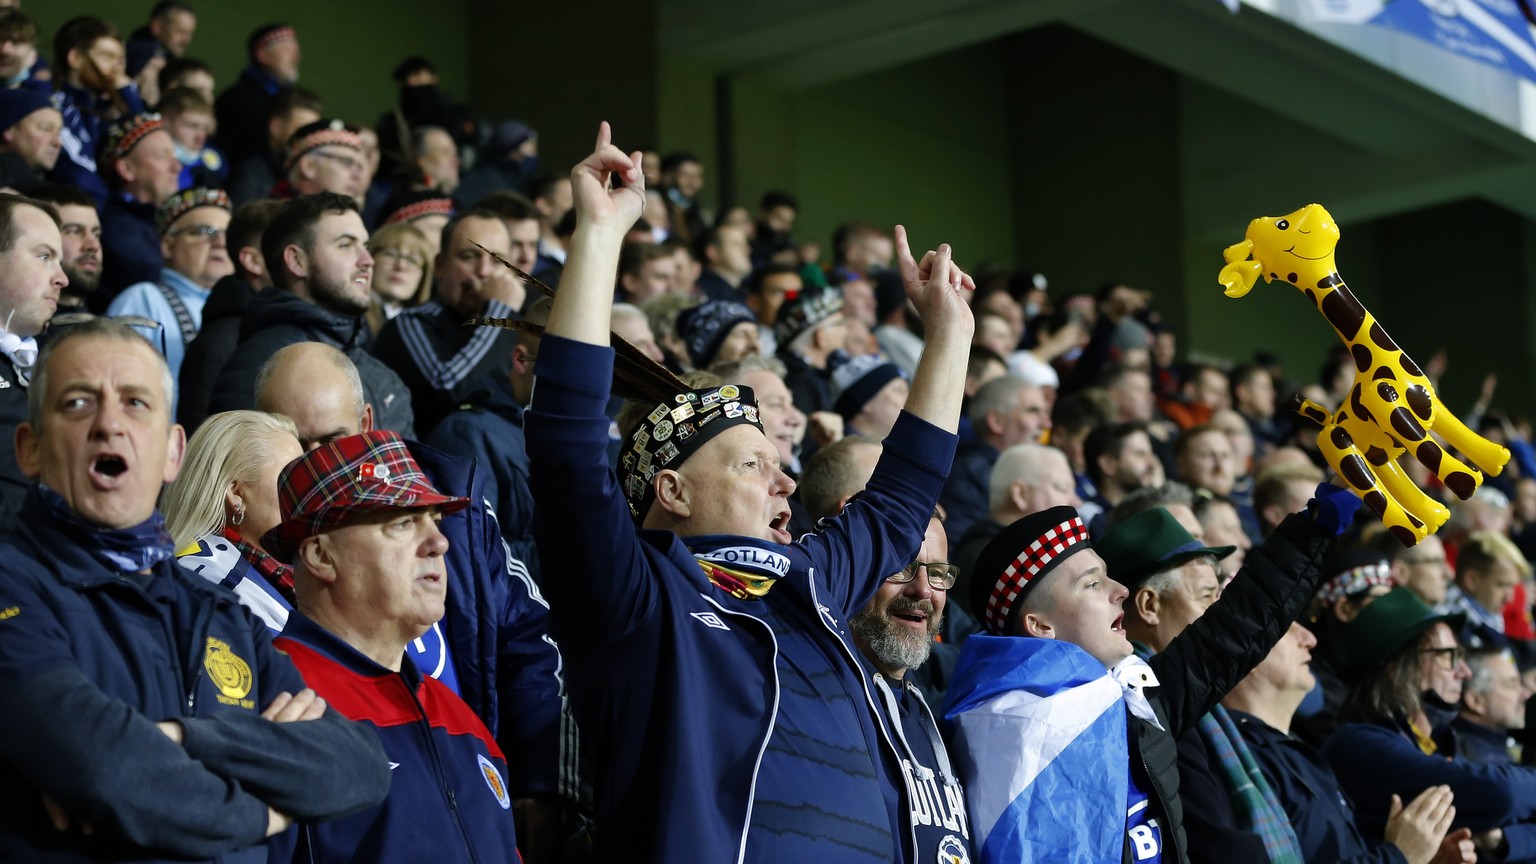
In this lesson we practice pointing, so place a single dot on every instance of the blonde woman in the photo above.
(402, 271)
(225, 499)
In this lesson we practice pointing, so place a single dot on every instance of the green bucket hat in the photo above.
(1390, 623)
(1149, 543)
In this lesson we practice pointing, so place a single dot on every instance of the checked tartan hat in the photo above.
(332, 484)
(1018, 558)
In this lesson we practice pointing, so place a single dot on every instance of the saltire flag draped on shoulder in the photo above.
(1041, 748)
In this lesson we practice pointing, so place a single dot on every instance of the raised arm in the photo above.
(584, 304)
(934, 285)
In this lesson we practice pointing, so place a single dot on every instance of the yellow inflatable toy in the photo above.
(1392, 406)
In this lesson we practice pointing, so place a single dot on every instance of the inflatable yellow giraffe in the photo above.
(1391, 407)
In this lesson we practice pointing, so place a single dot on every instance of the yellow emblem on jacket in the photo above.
(229, 673)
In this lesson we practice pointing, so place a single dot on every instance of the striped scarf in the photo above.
(1253, 800)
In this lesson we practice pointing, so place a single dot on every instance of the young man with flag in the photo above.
(1064, 739)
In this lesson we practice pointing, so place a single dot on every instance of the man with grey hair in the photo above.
(491, 647)
(1492, 707)
(98, 758)
(1005, 411)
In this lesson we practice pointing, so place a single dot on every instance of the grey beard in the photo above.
(893, 648)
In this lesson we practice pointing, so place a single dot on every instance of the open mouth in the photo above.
(1118, 626)
(779, 528)
(1292, 251)
(106, 469)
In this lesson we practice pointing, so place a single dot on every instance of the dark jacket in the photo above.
(1218, 650)
(489, 429)
(1323, 819)
(91, 660)
(1374, 761)
(810, 388)
(130, 248)
(214, 345)
(448, 799)
(967, 495)
(1210, 825)
(241, 111)
(13, 412)
(440, 360)
(86, 117)
(677, 680)
(1480, 744)
(277, 319)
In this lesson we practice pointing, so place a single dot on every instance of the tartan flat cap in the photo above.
(349, 477)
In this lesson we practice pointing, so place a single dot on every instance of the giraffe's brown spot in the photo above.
(1462, 483)
(1317, 415)
(1376, 501)
(1291, 278)
(1311, 297)
(1429, 454)
(1273, 276)
(1354, 470)
(1405, 426)
(1340, 438)
(1383, 372)
(1420, 402)
(1376, 456)
(1413, 520)
(1343, 311)
(1332, 280)
(1362, 356)
(1409, 366)
(1354, 402)
(1404, 536)
(1386, 391)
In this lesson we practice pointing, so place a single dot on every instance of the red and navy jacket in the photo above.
(448, 797)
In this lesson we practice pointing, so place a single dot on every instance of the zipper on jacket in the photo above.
(425, 726)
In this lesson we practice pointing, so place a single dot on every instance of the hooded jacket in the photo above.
(277, 319)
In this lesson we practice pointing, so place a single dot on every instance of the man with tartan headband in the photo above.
(708, 652)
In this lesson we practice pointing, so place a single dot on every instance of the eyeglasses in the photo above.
(201, 233)
(398, 254)
(347, 162)
(941, 577)
(149, 328)
(1447, 658)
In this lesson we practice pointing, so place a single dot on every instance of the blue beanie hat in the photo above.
(704, 328)
(16, 105)
(857, 381)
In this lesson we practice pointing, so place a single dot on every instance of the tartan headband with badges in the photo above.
(1017, 559)
(676, 430)
(322, 133)
(806, 312)
(184, 202)
(126, 133)
(1354, 581)
(272, 36)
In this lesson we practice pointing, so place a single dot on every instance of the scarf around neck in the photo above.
(744, 567)
(121, 550)
(277, 574)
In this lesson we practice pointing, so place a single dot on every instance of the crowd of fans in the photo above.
(280, 528)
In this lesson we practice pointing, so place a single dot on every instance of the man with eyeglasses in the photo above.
(193, 225)
(894, 633)
(325, 156)
(1422, 569)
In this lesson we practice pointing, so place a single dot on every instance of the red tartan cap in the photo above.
(332, 484)
(1018, 558)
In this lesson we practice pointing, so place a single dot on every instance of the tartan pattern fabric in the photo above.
(419, 209)
(272, 37)
(184, 202)
(364, 473)
(1355, 581)
(1035, 558)
(1254, 803)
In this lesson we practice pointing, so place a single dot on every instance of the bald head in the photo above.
(317, 387)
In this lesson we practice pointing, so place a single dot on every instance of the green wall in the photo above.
(349, 46)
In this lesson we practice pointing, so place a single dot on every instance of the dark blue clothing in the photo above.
(86, 117)
(489, 429)
(241, 112)
(90, 660)
(1481, 745)
(448, 799)
(810, 388)
(130, 248)
(967, 495)
(1374, 760)
(934, 803)
(714, 287)
(679, 682)
(1319, 813)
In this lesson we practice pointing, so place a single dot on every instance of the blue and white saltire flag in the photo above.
(1041, 749)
